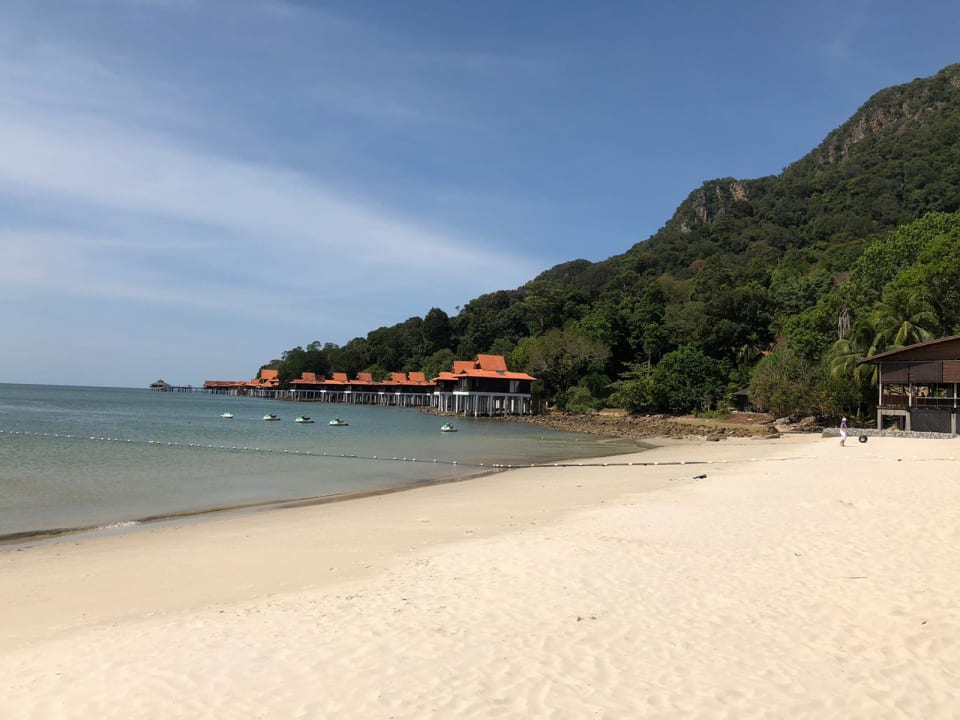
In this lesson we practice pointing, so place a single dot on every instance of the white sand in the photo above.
(797, 580)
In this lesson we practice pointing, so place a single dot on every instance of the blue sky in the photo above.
(190, 187)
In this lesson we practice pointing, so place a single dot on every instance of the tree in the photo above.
(686, 379)
(903, 318)
(542, 302)
(579, 399)
(440, 361)
(935, 269)
(437, 333)
(846, 354)
(786, 384)
(633, 391)
(561, 357)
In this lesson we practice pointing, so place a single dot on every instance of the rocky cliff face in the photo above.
(709, 202)
(895, 110)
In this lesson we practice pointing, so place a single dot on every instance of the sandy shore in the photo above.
(797, 579)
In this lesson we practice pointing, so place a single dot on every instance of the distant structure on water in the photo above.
(472, 387)
(163, 386)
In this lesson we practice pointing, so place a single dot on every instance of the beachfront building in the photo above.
(473, 387)
(311, 387)
(267, 385)
(410, 389)
(918, 386)
(401, 389)
(483, 387)
(225, 387)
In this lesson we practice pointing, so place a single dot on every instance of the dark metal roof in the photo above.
(947, 348)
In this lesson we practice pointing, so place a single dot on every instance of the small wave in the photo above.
(118, 525)
(30, 537)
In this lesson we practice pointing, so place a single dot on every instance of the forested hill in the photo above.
(896, 159)
(742, 266)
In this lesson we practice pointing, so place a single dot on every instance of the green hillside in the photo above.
(861, 228)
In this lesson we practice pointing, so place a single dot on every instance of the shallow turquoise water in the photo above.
(79, 457)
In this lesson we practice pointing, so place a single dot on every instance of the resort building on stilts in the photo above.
(481, 387)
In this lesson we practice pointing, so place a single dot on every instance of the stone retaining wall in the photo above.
(852, 433)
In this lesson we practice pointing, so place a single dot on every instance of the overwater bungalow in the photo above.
(225, 387)
(917, 386)
(483, 387)
(399, 389)
(266, 385)
(473, 387)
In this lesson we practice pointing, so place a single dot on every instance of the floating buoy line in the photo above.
(351, 456)
(381, 458)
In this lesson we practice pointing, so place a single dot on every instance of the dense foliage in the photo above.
(780, 283)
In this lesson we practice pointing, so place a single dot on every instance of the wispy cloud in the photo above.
(232, 173)
(112, 167)
(76, 133)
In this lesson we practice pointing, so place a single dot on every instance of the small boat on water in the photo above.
(447, 427)
(337, 422)
(270, 417)
(303, 419)
(227, 415)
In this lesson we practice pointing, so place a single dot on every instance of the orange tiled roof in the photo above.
(491, 362)
(268, 378)
(398, 378)
(307, 378)
(485, 366)
(505, 374)
(365, 377)
(417, 377)
(223, 383)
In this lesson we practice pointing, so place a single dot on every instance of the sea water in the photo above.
(76, 458)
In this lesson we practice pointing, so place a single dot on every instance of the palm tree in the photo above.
(901, 319)
(845, 354)
(904, 318)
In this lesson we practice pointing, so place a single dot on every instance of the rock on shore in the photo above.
(653, 426)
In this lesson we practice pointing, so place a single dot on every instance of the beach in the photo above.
(745, 578)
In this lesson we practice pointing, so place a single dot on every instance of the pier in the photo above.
(161, 386)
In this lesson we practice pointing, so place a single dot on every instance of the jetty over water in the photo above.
(481, 387)
(162, 386)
